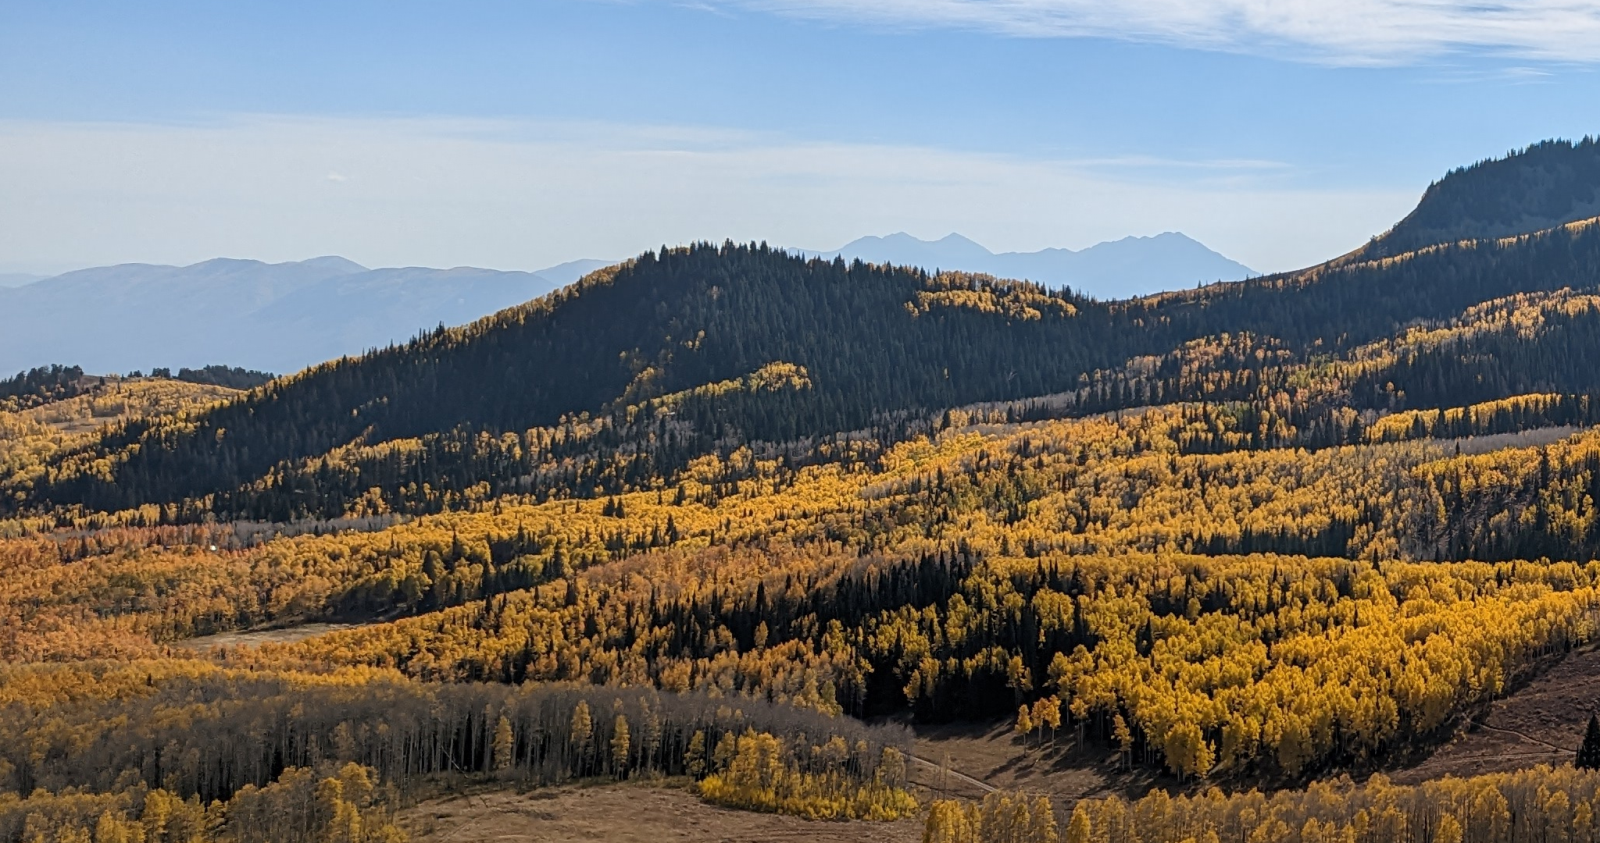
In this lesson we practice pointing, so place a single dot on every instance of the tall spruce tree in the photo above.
(1589, 753)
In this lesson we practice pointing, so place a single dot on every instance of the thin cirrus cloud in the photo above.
(1350, 32)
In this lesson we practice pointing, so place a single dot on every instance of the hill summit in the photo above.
(1545, 185)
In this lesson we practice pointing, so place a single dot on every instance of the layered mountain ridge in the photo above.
(287, 316)
(1116, 269)
(274, 317)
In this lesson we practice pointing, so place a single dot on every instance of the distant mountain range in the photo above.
(274, 317)
(286, 316)
(1132, 266)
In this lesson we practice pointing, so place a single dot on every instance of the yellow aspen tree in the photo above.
(1448, 830)
(619, 746)
(111, 828)
(948, 823)
(695, 755)
(1079, 828)
(1049, 715)
(582, 732)
(1124, 738)
(1043, 819)
(342, 819)
(504, 745)
(158, 805)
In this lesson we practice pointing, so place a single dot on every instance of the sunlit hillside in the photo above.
(31, 438)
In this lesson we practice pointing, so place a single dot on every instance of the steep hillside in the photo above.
(1539, 187)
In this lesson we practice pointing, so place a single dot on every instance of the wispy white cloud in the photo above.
(1355, 32)
(514, 194)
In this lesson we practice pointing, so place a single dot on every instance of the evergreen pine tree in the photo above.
(1589, 753)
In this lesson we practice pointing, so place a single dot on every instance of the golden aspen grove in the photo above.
(729, 519)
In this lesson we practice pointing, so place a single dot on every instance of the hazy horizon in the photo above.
(11, 273)
(509, 135)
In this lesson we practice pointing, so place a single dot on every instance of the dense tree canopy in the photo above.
(705, 514)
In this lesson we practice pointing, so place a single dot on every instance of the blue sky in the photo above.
(522, 134)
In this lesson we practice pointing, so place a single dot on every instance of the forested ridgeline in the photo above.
(41, 386)
(1535, 351)
(872, 341)
(1554, 805)
(212, 746)
(1501, 348)
(1545, 185)
(50, 384)
(1521, 363)
(232, 377)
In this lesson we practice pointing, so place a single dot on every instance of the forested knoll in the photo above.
(1545, 185)
(871, 340)
(72, 414)
(41, 386)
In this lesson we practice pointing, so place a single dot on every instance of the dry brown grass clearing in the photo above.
(1541, 723)
(625, 813)
(252, 638)
(991, 754)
